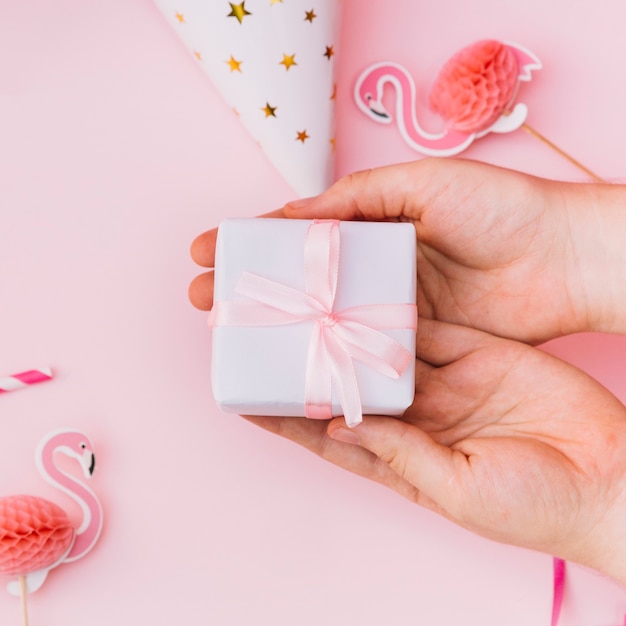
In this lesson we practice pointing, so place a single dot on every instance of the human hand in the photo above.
(503, 439)
(498, 250)
(517, 256)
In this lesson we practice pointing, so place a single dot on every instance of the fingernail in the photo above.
(301, 203)
(346, 436)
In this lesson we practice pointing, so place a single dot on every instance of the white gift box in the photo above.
(261, 370)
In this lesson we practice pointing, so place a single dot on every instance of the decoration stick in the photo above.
(530, 130)
(22, 580)
(24, 379)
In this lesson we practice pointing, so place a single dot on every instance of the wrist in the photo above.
(605, 546)
(596, 216)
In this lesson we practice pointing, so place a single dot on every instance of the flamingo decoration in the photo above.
(36, 535)
(474, 93)
(457, 137)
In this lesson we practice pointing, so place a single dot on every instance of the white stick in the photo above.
(23, 600)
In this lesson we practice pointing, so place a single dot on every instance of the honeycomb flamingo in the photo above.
(36, 535)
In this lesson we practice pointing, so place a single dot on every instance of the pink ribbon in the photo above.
(338, 337)
(559, 589)
(560, 573)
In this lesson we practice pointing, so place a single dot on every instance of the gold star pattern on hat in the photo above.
(235, 66)
(239, 11)
(288, 61)
(269, 110)
(273, 61)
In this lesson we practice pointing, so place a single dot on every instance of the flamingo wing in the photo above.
(476, 85)
(34, 534)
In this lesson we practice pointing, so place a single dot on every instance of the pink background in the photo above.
(115, 151)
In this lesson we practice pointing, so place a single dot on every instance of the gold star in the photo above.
(309, 16)
(329, 52)
(288, 61)
(333, 95)
(238, 11)
(332, 143)
(180, 17)
(302, 136)
(197, 55)
(269, 110)
(235, 66)
(275, 1)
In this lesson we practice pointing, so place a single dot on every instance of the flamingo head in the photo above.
(74, 444)
(368, 93)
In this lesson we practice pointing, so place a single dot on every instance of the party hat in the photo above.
(272, 60)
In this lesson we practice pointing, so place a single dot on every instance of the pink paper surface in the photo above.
(115, 151)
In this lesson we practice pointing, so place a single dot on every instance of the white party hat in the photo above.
(273, 61)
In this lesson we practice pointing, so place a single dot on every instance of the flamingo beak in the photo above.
(378, 109)
(88, 463)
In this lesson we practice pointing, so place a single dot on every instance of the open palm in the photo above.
(502, 438)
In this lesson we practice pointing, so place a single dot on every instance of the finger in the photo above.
(201, 291)
(413, 455)
(203, 246)
(439, 343)
(312, 434)
(386, 193)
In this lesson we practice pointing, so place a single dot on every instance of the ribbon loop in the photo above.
(338, 337)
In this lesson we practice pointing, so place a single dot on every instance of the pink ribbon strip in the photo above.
(338, 337)
(559, 566)
(559, 588)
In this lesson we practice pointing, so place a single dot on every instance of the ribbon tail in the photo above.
(344, 377)
(375, 349)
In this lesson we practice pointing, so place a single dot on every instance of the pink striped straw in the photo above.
(24, 379)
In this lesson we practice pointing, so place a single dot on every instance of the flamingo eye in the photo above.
(83, 445)
(368, 96)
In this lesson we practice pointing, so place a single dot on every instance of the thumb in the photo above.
(383, 193)
(430, 467)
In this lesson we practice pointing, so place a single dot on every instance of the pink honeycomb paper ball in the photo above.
(34, 534)
(476, 86)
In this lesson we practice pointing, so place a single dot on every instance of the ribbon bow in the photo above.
(338, 337)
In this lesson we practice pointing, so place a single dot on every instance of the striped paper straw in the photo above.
(24, 379)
